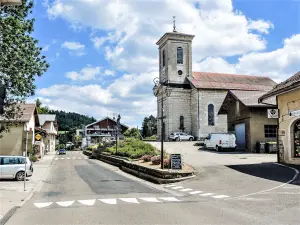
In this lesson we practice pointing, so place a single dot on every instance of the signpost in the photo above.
(176, 162)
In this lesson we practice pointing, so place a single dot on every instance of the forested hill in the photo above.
(69, 120)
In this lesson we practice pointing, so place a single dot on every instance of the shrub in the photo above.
(155, 160)
(146, 158)
(33, 158)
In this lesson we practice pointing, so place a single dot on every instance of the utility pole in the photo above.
(25, 161)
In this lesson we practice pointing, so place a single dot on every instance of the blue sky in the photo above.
(103, 56)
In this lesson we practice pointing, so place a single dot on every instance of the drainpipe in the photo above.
(277, 138)
(198, 111)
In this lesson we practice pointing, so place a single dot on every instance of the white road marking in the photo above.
(187, 189)
(170, 199)
(207, 194)
(62, 158)
(42, 205)
(79, 158)
(150, 199)
(220, 196)
(111, 201)
(68, 158)
(130, 200)
(178, 187)
(195, 192)
(87, 202)
(56, 159)
(170, 185)
(65, 203)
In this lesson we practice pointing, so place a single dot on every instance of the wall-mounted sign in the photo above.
(176, 161)
(272, 113)
(294, 113)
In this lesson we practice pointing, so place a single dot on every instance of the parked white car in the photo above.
(220, 141)
(180, 136)
(13, 167)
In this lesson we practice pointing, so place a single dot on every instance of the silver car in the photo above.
(13, 167)
(180, 136)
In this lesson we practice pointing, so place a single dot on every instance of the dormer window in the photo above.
(179, 55)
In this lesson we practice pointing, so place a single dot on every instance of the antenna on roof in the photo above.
(174, 24)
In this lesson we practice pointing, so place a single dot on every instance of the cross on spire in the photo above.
(174, 24)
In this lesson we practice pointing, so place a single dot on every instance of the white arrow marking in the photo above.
(170, 199)
(207, 194)
(170, 185)
(178, 187)
(150, 199)
(221, 196)
(130, 200)
(87, 202)
(111, 201)
(42, 205)
(195, 192)
(187, 189)
(65, 204)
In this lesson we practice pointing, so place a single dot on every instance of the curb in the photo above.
(9, 214)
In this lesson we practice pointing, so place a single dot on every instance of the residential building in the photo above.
(249, 120)
(191, 100)
(49, 124)
(287, 95)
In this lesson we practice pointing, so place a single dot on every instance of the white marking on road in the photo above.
(150, 199)
(68, 158)
(130, 200)
(62, 158)
(42, 205)
(195, 192)
(178, 187)
(56, 159)
(79, 158)
(170, 185)
(220, 196)
(290, 181)
(65, 203)
(87, 202)
(187, 189)
(170, 199)
(207, 194)
(111, 201)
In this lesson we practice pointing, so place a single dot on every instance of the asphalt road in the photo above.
(84, 191)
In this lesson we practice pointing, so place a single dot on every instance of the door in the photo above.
(240, 133)
(8, 167)
(183, 137)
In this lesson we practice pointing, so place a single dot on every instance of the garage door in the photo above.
(240, 133)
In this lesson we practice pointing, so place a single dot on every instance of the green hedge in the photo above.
(133, 148)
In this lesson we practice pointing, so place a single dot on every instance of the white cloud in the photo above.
(86, 73)
(260, 26)
(75, 48)
(45, 48)
(109, 73)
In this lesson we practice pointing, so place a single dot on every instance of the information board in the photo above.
(176, 162)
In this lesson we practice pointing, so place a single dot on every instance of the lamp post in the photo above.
(25, 161)
(162, 84)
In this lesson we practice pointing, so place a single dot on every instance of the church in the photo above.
(190, 101)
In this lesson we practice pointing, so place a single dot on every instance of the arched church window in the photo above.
(179, 55)
(163, 58)
(181, 122)
(211, 115)
(297, 139)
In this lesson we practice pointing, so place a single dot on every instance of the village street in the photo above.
(79, 190)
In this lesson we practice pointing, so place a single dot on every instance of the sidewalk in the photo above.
(12, 192)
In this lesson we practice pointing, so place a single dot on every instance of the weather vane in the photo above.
(174, 25)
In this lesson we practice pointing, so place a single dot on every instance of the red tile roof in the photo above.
(206, 80)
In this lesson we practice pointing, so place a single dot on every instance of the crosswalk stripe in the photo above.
(130, 200)
(187, 189)
(111, 201)
(87, 202)
(65, 203)
(62, 158)
(42, 205)
(56, 159)
(220, 196)
(150, 199)
(68, 158)
(170, 185)
(178, 187)
(195, 192)
(207, 194)
(170, 199)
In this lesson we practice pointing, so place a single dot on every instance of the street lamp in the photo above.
(10, 2)
(168, 91)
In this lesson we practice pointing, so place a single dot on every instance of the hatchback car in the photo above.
(180, 136)
(13, 167)
(62, 152)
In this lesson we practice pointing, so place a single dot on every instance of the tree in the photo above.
(149, 126)
(40, 108)
(20, 56)
(133, 132)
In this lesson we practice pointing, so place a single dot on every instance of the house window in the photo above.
(270, 131)
(163, 58)
(211, 115)
(179, 55)
(181, 122)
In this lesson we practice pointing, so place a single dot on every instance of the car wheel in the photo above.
(191, 139)
(219, 148)
(20, 175)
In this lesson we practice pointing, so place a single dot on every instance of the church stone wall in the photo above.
(194, 113)
(215, 97)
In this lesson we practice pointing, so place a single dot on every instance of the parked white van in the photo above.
(220, 141)
(13, 167)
